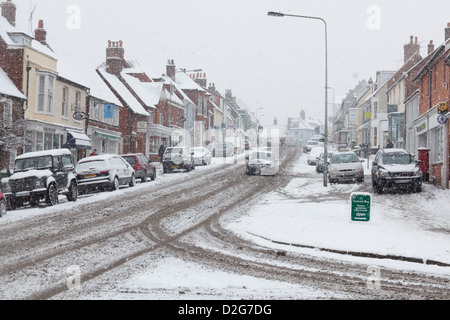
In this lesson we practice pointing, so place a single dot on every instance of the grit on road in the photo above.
(183, 220)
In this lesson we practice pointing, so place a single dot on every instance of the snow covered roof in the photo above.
(6, 29)
(299, 124)
(148, 92)
(56, 152)
(123, 91)
(177, 86)
(82, 73)
(8, 88)
(187, 83)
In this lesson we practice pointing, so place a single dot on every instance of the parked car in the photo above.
(313, 154)
(104, 172)
(202, 156)
(39, 176)
(2, 204)
(262, 163)
(396, 168)
(312, 144)
(320, 163)
(178, 158)
(345, 166)
(143, 167)
(224, 150)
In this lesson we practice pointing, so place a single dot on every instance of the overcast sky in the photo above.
(274, 63)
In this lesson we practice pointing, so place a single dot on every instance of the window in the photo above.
(116, 116)
(39, 141)
(437, 145)
(64, 111)
(78, 101)
(45, 93)
(7, 113)
(375, 109)
(161, 119)
(170, 114)
(205, 106)
(48, 141)
(199, 106)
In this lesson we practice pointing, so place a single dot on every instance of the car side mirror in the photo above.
(192, 153)
(418, 162)
(374, 163)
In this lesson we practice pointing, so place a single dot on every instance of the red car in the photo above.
(142, 166)
(2, 204)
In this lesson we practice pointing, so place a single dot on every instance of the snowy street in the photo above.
(216, 233)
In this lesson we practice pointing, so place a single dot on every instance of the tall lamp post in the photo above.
(279, 14)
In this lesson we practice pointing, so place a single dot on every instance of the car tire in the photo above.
(153, 177)
(115, 184)
(2, 208)
(72, 196)
(133, 181)
(52, 195)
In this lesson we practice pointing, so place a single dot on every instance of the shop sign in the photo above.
(142, 126)
(361, 204)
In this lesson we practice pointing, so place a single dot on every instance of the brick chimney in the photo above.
(171, 69)
(115, 57)
(200, 78)
(40, 34)
(411, 48)
(430, 47)
(212, 87)
(303, 115)
(447, 32)
(9, 11)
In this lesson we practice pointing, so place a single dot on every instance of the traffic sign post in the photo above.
(361, 206)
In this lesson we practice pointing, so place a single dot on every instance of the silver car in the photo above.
(345, 166)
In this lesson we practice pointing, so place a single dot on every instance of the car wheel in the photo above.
(188, 168)
(34, 202)
(115, 185)
(52, 195)
(2, 208)
(144, 177)
(133, 181)
(72, 196)
(153, 177)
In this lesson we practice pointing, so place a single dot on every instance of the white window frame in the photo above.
(437, 145)
(7, 112)
(64, 104)
(45, 92)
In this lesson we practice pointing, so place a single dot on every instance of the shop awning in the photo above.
(78, 140)
(107, 136)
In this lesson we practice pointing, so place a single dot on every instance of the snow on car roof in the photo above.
(101, 157)
(56, 152)
(395, 151)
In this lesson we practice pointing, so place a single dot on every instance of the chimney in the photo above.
(447, 32)
(411, 48)
(303, 115)
(430, 47)
(40, 34)
(115, 57)
(9, 11)
(275, 121)
(170, 69)
(201, 79)
(212, 87)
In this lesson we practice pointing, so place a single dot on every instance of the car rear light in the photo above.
(104, 173)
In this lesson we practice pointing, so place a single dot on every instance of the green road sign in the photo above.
(361, 204)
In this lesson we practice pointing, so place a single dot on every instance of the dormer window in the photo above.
(21, 38)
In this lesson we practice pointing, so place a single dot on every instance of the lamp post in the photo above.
(279, 14)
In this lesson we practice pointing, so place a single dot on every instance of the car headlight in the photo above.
(383, 173)
(37, 184)
(417, 172)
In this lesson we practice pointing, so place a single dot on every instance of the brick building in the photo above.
(431, 129)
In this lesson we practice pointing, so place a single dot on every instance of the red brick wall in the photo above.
(11, 61)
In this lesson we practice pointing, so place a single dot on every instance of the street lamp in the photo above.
(279, 14)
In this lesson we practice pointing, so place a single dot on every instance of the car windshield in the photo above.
(396, 158)
(37, 163)
(131, 160)
(345, 158)
(198, 150)
(261, 155)
(174, 151)
(329, 155)
(312, 143)
(94, 164)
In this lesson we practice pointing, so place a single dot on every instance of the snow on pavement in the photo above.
(306, 213)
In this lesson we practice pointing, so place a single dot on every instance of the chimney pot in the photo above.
(41, 24)
(447, 32)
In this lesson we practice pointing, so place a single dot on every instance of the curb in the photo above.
(359, 254)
